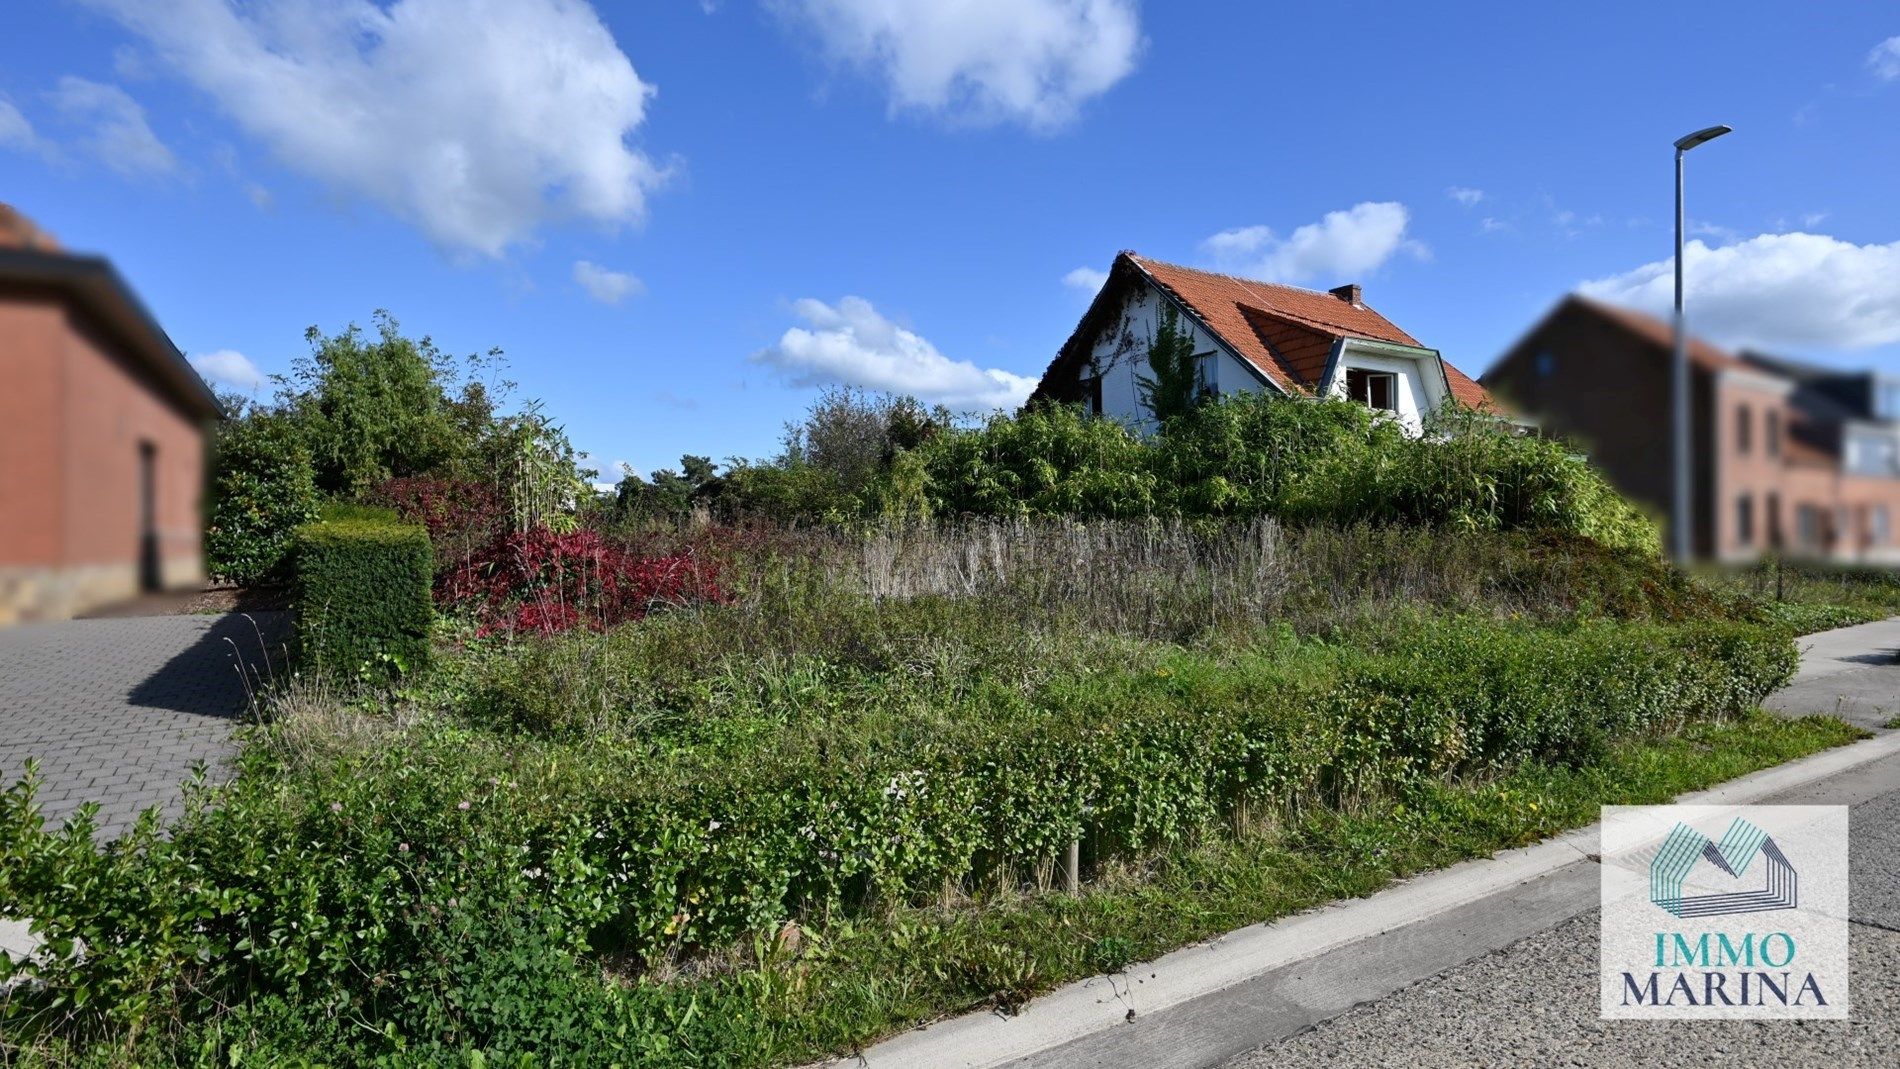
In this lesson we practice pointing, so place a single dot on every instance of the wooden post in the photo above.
(1072, 872)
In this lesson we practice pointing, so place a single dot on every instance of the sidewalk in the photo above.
(1850, 673)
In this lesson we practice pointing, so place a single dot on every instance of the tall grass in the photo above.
(1173, 579)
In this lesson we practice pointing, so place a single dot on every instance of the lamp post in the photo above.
(1680, 520)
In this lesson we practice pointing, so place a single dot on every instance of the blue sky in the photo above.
(677, 217)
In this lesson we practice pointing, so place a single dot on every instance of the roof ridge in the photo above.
(1234, 278)
(1266, 307)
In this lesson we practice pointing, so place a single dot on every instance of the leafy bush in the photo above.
(262, 488)
(462, 515)
(440, 889)
(545, 582)
(1327, 462)
(354, 512)
(1048, 461)
(361, 595)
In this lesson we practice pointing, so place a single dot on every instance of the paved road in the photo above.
(119, 711)
(1535, 1002)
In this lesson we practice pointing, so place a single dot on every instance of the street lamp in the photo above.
(1680, 522)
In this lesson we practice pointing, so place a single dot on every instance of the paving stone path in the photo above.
(119, 711)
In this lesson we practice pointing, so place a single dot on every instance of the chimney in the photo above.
(1348, 293)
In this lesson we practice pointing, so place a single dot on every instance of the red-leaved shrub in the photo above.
(462, 515)
(540, 581)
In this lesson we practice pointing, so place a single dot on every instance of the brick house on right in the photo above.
(1788, 457)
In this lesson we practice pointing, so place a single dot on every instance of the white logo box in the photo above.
(1724, 912)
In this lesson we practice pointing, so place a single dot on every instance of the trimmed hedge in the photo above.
(361, 593)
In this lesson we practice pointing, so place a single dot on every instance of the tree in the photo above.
(376, 408)
(1174, 386)
(669, 493)
(262, 488)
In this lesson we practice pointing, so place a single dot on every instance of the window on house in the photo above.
(1878, 525)
(1374, 389)
(1546, 364)
(1809, 524)
(1744, 428)
(1745, 520)
(1204, 384)
(1887, 401)
(1774, 520)
(1092, 393)
(1772, 425)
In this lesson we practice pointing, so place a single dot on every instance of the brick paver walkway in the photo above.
(118, 711)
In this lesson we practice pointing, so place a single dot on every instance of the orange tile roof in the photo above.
(1285, 332)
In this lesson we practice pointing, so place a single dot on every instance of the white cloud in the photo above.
(15, 131)
(228, 367)
(1087, 279)
(1492, 225)
(1776, 290)
(1884, 60)
(851, 344)
(476, 120)
(605, 286)
(1029, 61)
(1465, 195)
(116, 130)
(1342, 245)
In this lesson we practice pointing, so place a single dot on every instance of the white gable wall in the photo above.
(1122, 357)
(1419, 394)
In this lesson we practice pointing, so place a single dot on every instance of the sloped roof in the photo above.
(1285, 333)
(30, 257)
(1702, 354)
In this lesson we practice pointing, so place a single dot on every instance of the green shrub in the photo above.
(362, 597)
(441, 889)
(350, 511)
(262, 489)
(1325, 462)
(1046, 461)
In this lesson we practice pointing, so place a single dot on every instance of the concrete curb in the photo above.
(1100, 1003)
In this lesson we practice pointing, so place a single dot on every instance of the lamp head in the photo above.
(1702, 136)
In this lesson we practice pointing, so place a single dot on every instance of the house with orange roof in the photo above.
(1249, 336)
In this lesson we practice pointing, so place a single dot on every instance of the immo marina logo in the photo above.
(1752, 924)
(1740, 847)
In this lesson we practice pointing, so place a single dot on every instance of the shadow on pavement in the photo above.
(217, 674)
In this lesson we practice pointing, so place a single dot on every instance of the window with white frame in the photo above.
(1374, 389)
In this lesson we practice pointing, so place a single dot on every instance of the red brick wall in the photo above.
(31, 329)
(1590, 383)
(111, 407)
(1752, 467)
(74, 409)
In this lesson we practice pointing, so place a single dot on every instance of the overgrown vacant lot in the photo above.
(832, 802)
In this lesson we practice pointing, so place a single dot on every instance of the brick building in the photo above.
(1787, 457)
(102, 436)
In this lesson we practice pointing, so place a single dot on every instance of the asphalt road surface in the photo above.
(1535, 1002)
